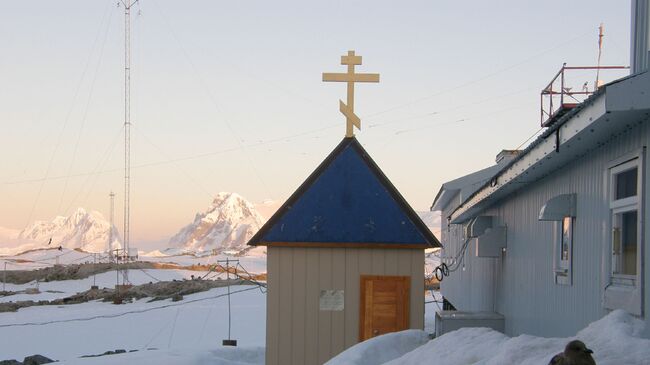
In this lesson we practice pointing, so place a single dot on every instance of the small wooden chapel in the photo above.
(345, 253)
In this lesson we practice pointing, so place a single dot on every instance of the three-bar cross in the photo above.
(350, 77)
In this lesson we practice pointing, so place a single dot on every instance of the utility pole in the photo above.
(229, 341)
(94, 286)
(4, 278)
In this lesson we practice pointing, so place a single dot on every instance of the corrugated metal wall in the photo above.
(526, 293)
(471, 287)
(297, 332)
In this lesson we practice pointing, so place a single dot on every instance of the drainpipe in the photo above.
(639, 36)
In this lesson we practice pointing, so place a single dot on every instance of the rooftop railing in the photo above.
(571, 86)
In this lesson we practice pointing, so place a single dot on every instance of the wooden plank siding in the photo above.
(352, 269)
(286, 309)
(338, 317)
(312, 336)
(324, 317)
(272, 309)
(311, 303)
(299, 294)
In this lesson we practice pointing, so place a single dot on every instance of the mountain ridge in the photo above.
(84, 230)
(225, 226)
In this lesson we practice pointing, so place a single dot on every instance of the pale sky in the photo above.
(227, 95)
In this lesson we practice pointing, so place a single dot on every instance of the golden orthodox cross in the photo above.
(350, 77)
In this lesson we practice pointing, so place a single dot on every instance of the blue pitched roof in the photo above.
(346, 200)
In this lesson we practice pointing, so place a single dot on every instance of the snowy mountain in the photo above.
(228, 223)
(432, 220)
(88, 231)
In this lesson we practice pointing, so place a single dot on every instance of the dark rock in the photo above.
(10, 362)
(177, 298)
(36, 360)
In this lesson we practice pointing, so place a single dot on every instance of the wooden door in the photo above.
(384, 305)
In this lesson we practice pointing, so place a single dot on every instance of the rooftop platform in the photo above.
(570, 87)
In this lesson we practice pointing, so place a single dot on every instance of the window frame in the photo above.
(618, 169)
(624, 205)
(624, 291)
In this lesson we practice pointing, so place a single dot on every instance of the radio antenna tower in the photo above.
(110, 229)
(127, 133)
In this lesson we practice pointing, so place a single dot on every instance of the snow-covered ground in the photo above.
(614, 340)
(381, 349)
(163, 332)
(213, 355)
(190, 332)
(190, 328)
(255, 262)
(61, 289)
(44, 258)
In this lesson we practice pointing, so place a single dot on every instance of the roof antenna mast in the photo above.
(601, 34)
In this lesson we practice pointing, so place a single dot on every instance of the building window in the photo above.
(567, 240)
(563, 251)
(561, 210)
(625, 247)
(625, 277)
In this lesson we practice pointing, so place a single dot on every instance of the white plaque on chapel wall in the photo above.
(331, 300)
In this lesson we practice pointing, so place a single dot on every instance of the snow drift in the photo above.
(615, 339)
(392, 345)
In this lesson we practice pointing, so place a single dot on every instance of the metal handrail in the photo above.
(547, 115)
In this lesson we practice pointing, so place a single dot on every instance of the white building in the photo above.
(556, 236)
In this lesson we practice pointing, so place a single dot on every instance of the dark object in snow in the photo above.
(177, 297)
(119, 351)
(10, 362)
(229, 343)
(575, 353)
(36, 360)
